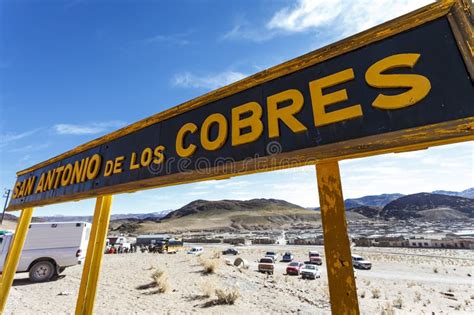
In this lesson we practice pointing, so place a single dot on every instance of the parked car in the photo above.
(310, 271)
(360, 263)
(230, 251)
(49, 248)
(294, 268)
(266, 265)
(315, 258)
(195, 251)
(287, 257)
(273, 255)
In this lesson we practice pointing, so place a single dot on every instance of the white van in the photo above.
(49, 248)
(195, 251)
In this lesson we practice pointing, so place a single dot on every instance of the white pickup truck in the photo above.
(49, 248)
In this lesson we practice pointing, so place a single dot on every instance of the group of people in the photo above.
(121, 249)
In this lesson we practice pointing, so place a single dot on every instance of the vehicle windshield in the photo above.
(287, 254)
(294, 264)
(358, 258)
(270, 253)
(266, 260)
(314, 254)
(309, 267)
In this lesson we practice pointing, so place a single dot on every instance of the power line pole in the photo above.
(6, 195)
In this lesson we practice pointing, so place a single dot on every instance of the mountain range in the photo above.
(274, 214)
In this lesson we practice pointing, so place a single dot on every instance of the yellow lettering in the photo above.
(58, 171)
(94, 166)
(49, 180)
(159, 155)
(212, 145)
(30, 185)
(16, 190)
(253, 122)
(77, 171)
(419, 85)
(146, 157)
(66, 178)
(180, 149)
(118, 164)
(285, 114)
(109, 167)
(84, 173)
(39, 188)
(320, 101)
(22, 189)
(133, 162)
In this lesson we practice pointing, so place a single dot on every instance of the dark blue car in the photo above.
(287, 257)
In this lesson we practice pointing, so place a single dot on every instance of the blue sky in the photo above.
(71, 71)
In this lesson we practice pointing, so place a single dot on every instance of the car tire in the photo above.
(42, 271)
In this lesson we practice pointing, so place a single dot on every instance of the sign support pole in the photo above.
(14, 254)
(342, 287)
(95, 251)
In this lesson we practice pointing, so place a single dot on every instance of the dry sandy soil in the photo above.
(402, 281)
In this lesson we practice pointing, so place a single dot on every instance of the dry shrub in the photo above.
(227, 296)
(160, 281)
(375, 293)
(435, 270)
(417, 296)
(210, 265)
(362, 295)
(216, 255)
(388, 309)
(208, 288)
(398, 302)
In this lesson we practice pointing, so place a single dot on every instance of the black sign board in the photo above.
(399, 86)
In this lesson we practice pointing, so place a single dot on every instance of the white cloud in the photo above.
(86, 129)
(213, 81)
(306, 14)
(338, 18)
(12, 137)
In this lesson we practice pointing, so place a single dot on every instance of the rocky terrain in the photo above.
(273, 214)
(402, 281)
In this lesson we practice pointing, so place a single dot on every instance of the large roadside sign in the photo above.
(403, 85)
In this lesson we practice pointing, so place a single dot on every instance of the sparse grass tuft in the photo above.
(208, 288)
(388, 309)
(160, 279)
(398, 302)
(210, 265)
(375, 293)
(227, 296)
(417, 297)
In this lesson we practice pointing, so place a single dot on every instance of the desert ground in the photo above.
(402, 281)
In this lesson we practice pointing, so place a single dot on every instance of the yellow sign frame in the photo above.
(342, 284)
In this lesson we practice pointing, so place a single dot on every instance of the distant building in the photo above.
(237, 241)
(151, 239)
(263, 240)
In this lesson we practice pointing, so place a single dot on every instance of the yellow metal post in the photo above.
(95, 251)
(342, 287)
(89, 255)
(13, 258)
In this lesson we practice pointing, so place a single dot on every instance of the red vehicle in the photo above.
(315, 258)
(294, 268)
